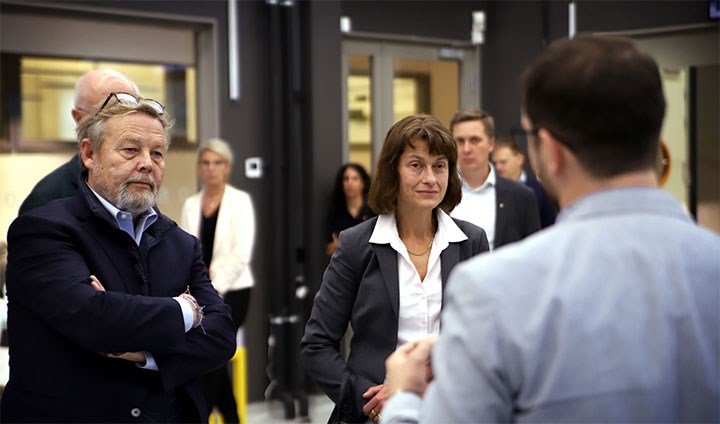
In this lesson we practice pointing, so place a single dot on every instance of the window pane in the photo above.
(426, 86)
(360, 111)
(37, 96)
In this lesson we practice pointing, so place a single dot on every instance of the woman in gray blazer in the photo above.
(387, 274)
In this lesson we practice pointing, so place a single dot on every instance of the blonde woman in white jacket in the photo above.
(223, 218)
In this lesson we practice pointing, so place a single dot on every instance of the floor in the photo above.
(319, 409)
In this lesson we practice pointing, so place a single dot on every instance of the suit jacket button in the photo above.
(135, 412)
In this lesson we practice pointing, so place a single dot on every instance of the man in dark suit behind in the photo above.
(505, 209)
(509, 160)
(112, 316)
(90, 89)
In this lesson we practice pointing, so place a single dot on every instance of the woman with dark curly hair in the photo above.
(349, 202)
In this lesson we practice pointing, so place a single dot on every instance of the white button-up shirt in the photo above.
(420, 300)
(478, 206)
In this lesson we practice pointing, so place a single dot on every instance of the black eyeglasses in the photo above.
(534, 133)
(129, 99)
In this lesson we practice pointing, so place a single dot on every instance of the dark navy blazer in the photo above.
(60, 183)
(516, 211)
(547, 209)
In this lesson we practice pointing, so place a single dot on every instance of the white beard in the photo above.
(135, 202)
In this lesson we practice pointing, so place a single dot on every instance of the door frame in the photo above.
(382, 50)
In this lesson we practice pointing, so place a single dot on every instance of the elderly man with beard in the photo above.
(112, 316)
(90, 90)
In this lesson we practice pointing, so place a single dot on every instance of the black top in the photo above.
(207, 235)
(341, 220)
(60, 183)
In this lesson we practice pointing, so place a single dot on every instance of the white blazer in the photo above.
(234, 237)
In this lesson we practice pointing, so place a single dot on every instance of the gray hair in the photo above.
(216, 145)
(92, 126)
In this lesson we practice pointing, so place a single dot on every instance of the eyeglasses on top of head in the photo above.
(129, 99)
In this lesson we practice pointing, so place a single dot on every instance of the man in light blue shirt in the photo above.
(610, 315)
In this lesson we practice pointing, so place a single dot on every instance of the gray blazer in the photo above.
(360, 286)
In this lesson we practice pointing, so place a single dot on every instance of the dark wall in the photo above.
(325, 128)
(601, 15)
(431, 18)
(516, 31)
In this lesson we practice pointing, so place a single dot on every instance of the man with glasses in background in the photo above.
(112, 314)
(91, 89)
(509, 160)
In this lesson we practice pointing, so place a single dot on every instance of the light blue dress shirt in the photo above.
(611, 315)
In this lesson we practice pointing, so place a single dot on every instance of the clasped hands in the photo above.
(408, 369)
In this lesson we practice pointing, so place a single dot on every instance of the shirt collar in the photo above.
(623, 200)
(492, 178)
(490, 181)
(448, 229)
(385, 231)
(124, 219)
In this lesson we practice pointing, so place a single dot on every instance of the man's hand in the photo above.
(128, 356)
(377, 395)
(96, 284)
(330, 248)
(409, 367)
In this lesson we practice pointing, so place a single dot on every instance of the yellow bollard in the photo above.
(239, 372)
(239, 384)
(216, 417)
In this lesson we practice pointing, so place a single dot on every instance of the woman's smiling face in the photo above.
(423, 177)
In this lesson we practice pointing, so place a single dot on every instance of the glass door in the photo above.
(386, 81)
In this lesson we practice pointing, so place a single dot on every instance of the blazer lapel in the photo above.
(448, 259)
(223, 223)
(387, 259)
(196, 208)
(501, 200)
(104, 235)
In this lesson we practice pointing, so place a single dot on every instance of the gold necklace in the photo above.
(423, 253)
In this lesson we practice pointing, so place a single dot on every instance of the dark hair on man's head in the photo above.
(386, 181)
(474, 114)
(600, 96)
(338, 196)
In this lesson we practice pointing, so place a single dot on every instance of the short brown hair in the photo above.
(508, 142)
(475, 114)
(600, 96)
(386, 181)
